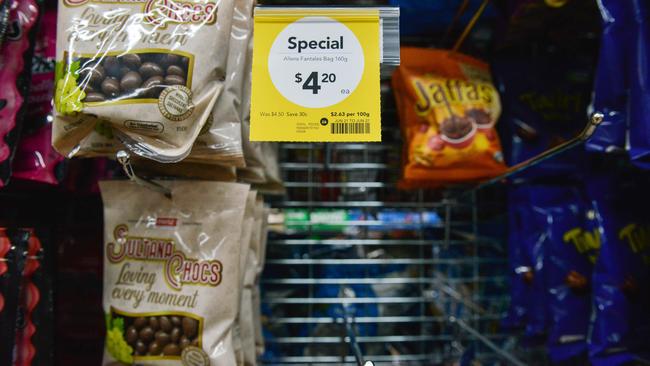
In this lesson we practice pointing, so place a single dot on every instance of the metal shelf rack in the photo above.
(428, 294)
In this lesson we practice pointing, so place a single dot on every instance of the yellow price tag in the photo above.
(316, 75)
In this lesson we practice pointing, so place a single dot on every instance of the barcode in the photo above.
(350, 128)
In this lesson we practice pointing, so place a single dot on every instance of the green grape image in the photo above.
(115, 342)
(67, 95)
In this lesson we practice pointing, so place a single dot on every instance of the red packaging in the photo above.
(28, 300)
(22, 17)
(35, 158)
(448, 108)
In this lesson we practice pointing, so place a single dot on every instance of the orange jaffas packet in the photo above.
(448, 107)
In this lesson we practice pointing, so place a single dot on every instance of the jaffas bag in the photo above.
(448, 107)
(151, 70)
(171, 272)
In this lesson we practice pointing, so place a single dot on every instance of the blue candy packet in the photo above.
(534, 237)
(640, 85)
(519, 268)
(621, 295)
(611, 85)
(545, 104)
(570, 250)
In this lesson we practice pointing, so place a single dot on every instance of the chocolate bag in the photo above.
(570, 250)
(151, 70)
(535, 233)
(221, 140)
(621, 325)
(254, 170)
(171, 272)
(257, 296)
(520, 270)
(640, 85)
(246, 320)
(448, 108)
(610, 95)
(245, 242)
(15, 69)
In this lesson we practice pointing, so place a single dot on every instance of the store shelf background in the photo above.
(402, 288)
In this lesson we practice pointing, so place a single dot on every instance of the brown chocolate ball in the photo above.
(172, 349)
(94, 97)
(149, 69)
(132, 61)
(190, 327)
(174, 80)
(146, 334)
(130, 81)
(111, 87)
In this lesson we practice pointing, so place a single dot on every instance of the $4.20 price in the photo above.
(314, 80)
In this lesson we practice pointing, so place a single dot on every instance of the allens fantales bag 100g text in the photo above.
(151, 70)
(171, 272)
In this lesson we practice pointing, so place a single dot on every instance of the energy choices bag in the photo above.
(171, 272)
(448, 108)
(151, 70)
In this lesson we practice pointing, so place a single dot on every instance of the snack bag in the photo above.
(520, 271)
(570, 251)
(535, 233)
(150, 70)
(621, 326)
(545, 104)
(35, 158)
(221, 140)
(14, 77)
(610, 95)
(257, 296)
(171, 272)
(245, 242)
(448, 108)
(246, 318)
(12, 248)
(640, 85)
(254, 170)
(29, 298)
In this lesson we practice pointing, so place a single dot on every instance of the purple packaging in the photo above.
(640, 85)
(534, 236)
(519, 268)
(611, 85)
(571, 248)
(621, 295)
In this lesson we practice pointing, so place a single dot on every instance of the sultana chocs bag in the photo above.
(448, 108)
(171, 272)
(147, 71)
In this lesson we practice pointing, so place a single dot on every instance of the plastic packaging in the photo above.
(621, 327)
(519, 267)
(12, 247)
(611, 87)
(571, 249)
(29, 298)
(221, 140)
(448, 109)
(640, 85)
(545, 97)
(35, 158)
(151, 72)
(163, 274)
(14, 74)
